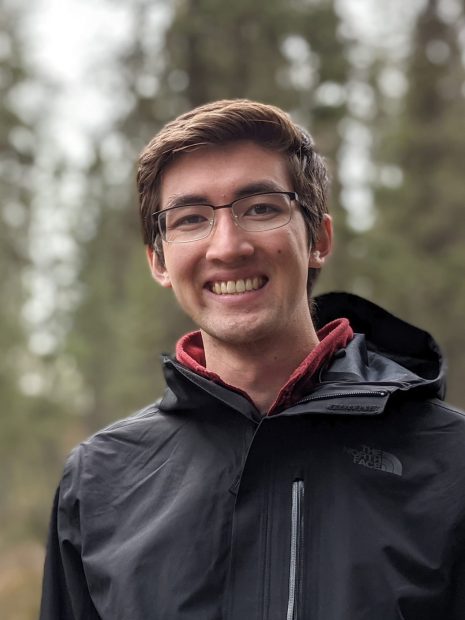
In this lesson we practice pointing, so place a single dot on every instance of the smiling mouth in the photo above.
(237, 287)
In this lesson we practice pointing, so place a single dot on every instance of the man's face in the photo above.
(274, 262)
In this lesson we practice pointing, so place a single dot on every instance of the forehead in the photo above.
(221, 172)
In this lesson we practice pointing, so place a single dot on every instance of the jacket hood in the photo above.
(394, 351)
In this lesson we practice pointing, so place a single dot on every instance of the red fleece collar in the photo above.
(333, 336)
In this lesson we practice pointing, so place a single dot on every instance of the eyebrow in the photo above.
(256, 187)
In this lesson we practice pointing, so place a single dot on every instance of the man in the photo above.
(299, 465)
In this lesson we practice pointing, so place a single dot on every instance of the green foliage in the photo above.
(417, 250)
(33, 435)
(14, 214)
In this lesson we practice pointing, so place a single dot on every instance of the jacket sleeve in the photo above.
(65, 592)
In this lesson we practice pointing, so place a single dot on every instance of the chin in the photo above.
(238, 335)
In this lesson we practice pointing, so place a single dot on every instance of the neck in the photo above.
(259, 368)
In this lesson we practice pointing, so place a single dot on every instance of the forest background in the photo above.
(380, 85)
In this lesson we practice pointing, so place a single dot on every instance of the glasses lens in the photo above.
(188, 223)
(263, 211)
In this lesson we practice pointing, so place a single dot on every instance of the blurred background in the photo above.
(84, 84)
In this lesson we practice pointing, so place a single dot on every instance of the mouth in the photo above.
(237, 287)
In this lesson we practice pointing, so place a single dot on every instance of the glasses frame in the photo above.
(230, 205)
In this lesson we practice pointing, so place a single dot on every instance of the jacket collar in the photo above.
(332, 337)
(392, 356)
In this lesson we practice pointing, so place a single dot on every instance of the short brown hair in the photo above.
(226, 121)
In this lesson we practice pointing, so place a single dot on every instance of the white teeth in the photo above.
(234, 287)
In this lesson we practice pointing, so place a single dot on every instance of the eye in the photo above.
(187, 220)
(263, 210)
(186, 217)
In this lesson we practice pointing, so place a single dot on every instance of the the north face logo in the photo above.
(375, 459)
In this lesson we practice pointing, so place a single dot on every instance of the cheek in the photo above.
(298, 245)
(181, 267)
(291, 249)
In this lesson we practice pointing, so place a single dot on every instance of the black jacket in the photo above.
(349, 505)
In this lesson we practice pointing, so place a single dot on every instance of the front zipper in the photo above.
(297, 541)
(340, 395)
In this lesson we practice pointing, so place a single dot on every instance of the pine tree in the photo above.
(15, 158)
(416, 252)
(29, 454)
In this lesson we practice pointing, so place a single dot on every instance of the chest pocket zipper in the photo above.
(297, 542)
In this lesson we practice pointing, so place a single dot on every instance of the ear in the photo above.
(322, 247)
(158, 271)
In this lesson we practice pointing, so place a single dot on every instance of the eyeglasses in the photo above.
(255, 213)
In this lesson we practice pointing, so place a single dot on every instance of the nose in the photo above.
(227, 242)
